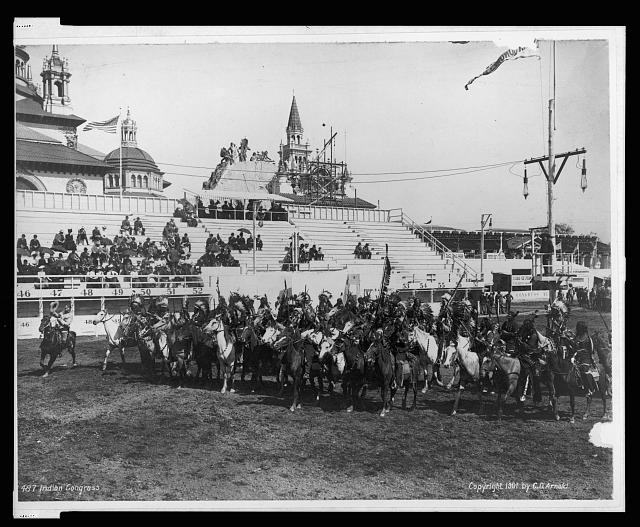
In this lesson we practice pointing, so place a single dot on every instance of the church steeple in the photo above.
(55, 84)
(129, 130)
(295, 153)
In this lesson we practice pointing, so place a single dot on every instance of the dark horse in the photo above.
(567, 376)
(53, 343)
(204, 353)
(383, 362)
(292, 365)
(353, 380)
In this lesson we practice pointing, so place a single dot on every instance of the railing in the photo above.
(36, 199)
(317, 212)
(78, 282)
(438, 246)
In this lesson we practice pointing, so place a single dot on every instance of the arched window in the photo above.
(139, 181)
(17, 67)
(110, 181)
(133, 180)
(146, 182)
(60, 87)
(117, 180)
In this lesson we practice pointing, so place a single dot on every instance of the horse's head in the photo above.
(100, 316)
(326, 346)
(348, 326)
(214, 325)
(449, 353)
(270, 335)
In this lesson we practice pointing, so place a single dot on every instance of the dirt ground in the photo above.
(85, 435)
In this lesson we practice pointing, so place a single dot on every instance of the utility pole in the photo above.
(255, 208)
(483, 222)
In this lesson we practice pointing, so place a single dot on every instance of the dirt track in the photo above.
(143, 441)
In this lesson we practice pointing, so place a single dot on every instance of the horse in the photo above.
(428, 355)
(53, 343)
(568, 378)
(507, 374)
(265, 353)
(226, 351)
(469, 364)
(603, 350)
(293, 365)
(246, 343)
(355, 367)
(179, 344)
(203, 351)
(116, 326)
(383, 362)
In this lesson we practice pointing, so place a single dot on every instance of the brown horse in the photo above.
(506, 377)
(292, 365)
(354, 375)
(179, 343)
(383, 363)
(53, 343)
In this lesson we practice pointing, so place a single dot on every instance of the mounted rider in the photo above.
(201, 313)
(557, 316)
(582, 347)
(63, 319)
(509, 332)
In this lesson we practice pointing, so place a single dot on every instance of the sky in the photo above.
(397, 108)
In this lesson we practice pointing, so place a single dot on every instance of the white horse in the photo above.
(429, 346)
(226, 350)
(115, 326)
(467, 360)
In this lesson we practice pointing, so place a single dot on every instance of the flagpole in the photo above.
(121, 180)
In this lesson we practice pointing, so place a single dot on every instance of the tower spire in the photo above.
(294, 125)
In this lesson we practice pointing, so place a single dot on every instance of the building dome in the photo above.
(133, 158)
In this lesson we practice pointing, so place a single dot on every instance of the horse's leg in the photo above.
(230, 373)
(572, 402)
(551, 386)
(52, 358)
(589, 398)
(480, 399)
(456, 400)
(404, 397)
(71, 346)
(414, 385)
(383, 394)
(106, 357)
(224, 375)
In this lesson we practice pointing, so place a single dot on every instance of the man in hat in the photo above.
(58, 239)
(22, 243)
(583, 357)
(125, 226)
(69, 244)
(138, 228)
(34, 244)
(509, 332)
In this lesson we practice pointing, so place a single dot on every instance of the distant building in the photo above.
(48, 155)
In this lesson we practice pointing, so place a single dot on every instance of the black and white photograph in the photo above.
(318, 268)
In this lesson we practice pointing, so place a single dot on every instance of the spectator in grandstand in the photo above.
(358, 250)
(258, 243)
(313, 253)
(125, 226)
(200, 208)
(226, 208)
(239, 211)
(69, 244)
(138, 228)
(22, 243)
(185, 242)
(58, 241)
(242, 243)
(320, 254)
(249, 244)
(287, 264)
(366, 252)
(96, 235)
(85, 257)
(81, 238)
(34, 244)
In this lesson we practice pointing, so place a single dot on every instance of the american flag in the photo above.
(109, 126)
(386, 276)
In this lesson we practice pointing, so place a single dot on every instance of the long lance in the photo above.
(603, 320)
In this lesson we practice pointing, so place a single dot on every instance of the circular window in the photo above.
(76, 186)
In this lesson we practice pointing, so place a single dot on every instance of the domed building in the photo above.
(139, 175)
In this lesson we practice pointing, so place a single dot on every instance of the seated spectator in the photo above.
(96, 235)
(200, 208)
(69, 244)
(42, 261)
(249, 244)
(34, 244)
(258, 243)
(126, 225)
(226, 211)
(239, 211)
(287, 264)
(185, 242)
(233, 243)
(358, 250)
(313, 252)
(138, 228)
(261, 215)
(111, 276)
(85, 257)
(366, 252)
(241, 242)
(81, 239)
(320, 255)
(58, 241)
(22, 242)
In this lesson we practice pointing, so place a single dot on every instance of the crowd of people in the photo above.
(102, 259)
(495, 302)
(230, 210)
(305, 255)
